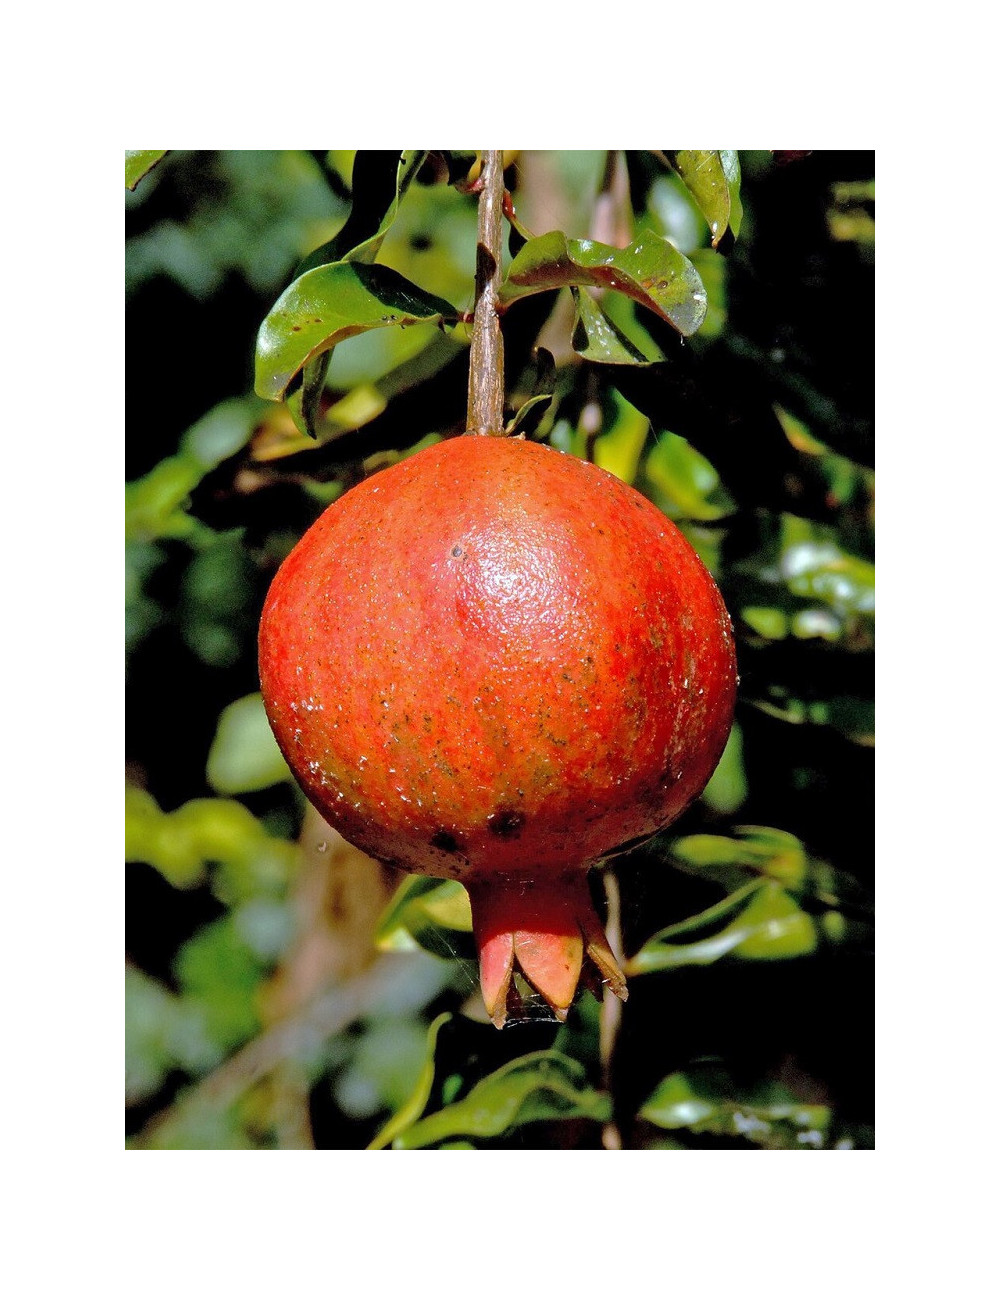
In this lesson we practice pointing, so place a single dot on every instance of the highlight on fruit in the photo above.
(496, 663)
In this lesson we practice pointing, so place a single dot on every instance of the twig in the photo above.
(485, 413)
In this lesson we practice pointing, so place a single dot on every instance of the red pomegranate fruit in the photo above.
(498, 664)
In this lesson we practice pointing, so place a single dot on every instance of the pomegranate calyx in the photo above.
(544, 929)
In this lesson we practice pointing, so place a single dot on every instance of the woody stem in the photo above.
(485, 411)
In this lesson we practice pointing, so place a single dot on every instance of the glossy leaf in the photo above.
(528, 416)
(368, 223)
(329, 304)
(416, 1103)
(731, 168)
(650, 271)
(771, 927)
(431, 914)
(762, 849)
(703, 173)
(705, 1099)
(802, 582)
(139, 163)
(596, 337)
(541, 1086)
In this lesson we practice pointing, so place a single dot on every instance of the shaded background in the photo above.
(275, 995)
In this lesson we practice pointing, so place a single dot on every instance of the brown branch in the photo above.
(485, 413)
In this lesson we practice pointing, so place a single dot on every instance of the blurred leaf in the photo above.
(387, 1060)
(332, 303)
(771, 927)
(431, 914)
(244, 755)
(540, 1086)
(651, 271)
(704, 1099)
(597, 338)
(414, 1107)
(180, 844)
(703, 173)
(162, 1033)
(218, 970)
(155, 504)
(682, 482)
(620, 448)
(139, 162)
(802, 582)
(727, 789)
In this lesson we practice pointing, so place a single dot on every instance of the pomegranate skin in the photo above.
(496, 663)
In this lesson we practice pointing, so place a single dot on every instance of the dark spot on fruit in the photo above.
(456, 551)
(445, 841)
(506, 824)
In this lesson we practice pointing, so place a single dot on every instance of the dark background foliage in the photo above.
(271, 997)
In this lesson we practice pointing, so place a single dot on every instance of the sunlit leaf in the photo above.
(771, 927)
(703, 173)
(431, 914)
(416, 1103)
(139, 163)
(731, 168)
(727, 788)
(541, 1086)
(762, 849)
(597, 338)
(705, 1099)
(527, 416)
(376, 173)
(620, 448)
(682, 482)
(244, 755)
(651, 271)
(329, 304)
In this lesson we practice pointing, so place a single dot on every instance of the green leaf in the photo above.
(248, 860)
(218, 971)
(244, 755)
(139, 163)
(731, 168)
(705, 1099)
(540, 1086)
(329, 304)
(762, 849)
(371, 216)
(596, 337)
(527, 417)
(413, 1108)
(683, 483)
(727, 789)
(303, 402)
(650, 271)
(431, 914)
(771, 927)
(703, 173)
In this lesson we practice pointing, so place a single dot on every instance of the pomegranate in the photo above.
(498, 664)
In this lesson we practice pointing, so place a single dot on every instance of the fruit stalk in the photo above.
(485, 411)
